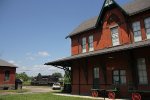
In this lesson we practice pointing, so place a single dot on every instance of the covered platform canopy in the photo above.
(67, 62)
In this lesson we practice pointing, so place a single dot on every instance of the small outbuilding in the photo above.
(7, 75)
(18, 84)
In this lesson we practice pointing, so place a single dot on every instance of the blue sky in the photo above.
(33, 32)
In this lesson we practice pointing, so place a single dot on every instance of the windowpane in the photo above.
(115, 36)
(142, 71)
(145, 80)
(141, 80)
(147, 27)
(7, 75)
(148, 31)
(91, 47)
(137, 31)
(116, 79)
(116, 72)
(96, 72)
(83, 45)
(122, 72)
(123, 79)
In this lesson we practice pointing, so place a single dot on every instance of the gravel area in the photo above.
(38, 89)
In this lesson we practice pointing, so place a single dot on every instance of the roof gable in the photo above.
(129, 9)
(107, 4)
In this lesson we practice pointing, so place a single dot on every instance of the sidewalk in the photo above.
(86, 97)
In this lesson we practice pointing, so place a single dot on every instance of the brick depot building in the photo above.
(111, 51)
(7, 75)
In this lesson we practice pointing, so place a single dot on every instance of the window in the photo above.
(83, 45)
(115, 36)
(142, 71)
(91, 48)
(137, 31)
(147, 27)
(7, 75)
(108, 2)
(119, 77)
(96, 73)
(96, 77)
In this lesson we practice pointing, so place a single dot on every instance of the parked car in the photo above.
(56, 86)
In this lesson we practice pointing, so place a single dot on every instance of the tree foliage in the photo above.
(58, 75)
(67, 78)
(22, 76)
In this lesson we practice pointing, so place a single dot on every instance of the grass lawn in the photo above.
(26, 83)
(14, 91)
(42, 96)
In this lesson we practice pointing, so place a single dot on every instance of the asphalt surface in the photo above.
(38, 89)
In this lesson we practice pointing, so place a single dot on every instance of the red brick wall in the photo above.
(119, 61)
(102, 37)
(12, 75)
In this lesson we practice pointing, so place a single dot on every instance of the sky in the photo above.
(32, 32)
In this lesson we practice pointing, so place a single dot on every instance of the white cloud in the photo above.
(28, 53)
(31, 58)
(35, 56)
(43, 53)
(13, 62)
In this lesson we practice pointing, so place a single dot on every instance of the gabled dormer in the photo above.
(111, 28)
(107, 6)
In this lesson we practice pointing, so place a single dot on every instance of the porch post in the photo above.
(79, 76)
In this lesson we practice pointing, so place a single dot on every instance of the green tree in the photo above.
(58, 75)
(67, 78)
(22, 76)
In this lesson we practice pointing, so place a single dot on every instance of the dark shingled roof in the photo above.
(137, 6)
(65, 61)
(86, 25)
(6, 64)
(131, 8)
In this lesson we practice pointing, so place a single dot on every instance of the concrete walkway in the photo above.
(86, 97)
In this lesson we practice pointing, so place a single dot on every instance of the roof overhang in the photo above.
(67, 62)
(71, 35)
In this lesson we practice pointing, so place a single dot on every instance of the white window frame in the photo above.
(147, 27)
(115, 36)
(136, 26)
(142, 71)
(83, 44)
(90, 43)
